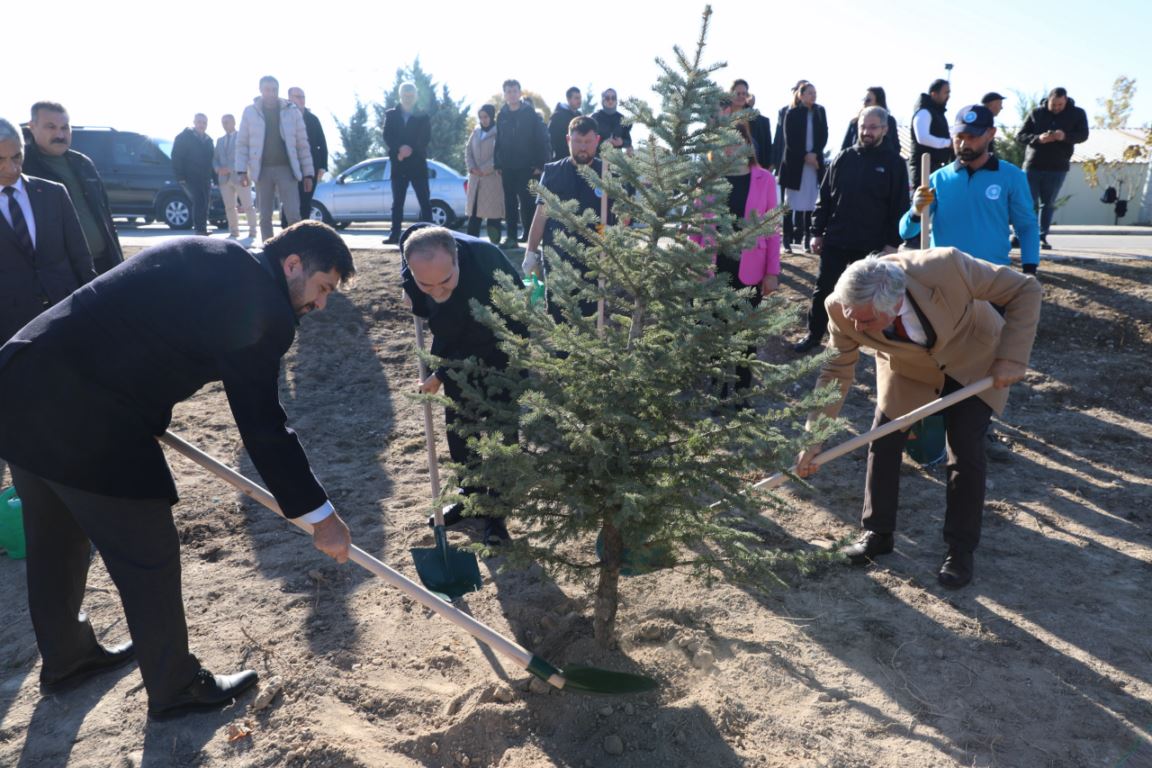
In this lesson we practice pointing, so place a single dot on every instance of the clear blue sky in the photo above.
(149, 66)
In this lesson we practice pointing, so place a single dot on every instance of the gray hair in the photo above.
(407, 87)
(879, 112)
(872, 282)
(8, 132)
(425, 243)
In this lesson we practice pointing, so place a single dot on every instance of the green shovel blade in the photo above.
(446, 570)
(591, 679)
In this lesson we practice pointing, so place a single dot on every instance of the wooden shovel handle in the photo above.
(482, 632)
(926, 217)
(904, 421)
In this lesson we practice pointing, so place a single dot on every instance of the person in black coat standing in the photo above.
(192, 155)
(778, 159)
(610, 122)
(406, 134)
(558, 123)
(85, 390)
(317, 143)
(1050, 134)
(802, 162)
(862, 197)
(522, 149)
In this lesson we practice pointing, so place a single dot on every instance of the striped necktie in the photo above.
(19, 225)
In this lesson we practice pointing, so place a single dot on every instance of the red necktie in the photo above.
(901, 331)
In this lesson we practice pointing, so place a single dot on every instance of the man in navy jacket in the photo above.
(85, 390)
(407, 134)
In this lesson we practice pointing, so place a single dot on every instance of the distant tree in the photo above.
(589, 105)
(1117, 107)
(1122, 172)
(450, 119)
(358, 141)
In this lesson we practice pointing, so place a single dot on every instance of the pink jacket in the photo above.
(764, 258)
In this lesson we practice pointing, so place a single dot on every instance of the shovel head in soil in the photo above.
(446, 570)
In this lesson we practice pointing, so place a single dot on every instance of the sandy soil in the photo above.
(1046, 660)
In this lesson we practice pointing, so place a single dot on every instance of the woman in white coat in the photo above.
(485, 189)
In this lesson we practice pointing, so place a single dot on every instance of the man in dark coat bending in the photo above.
(85, 390)
(443, 271)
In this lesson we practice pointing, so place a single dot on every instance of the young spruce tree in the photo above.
(631, 453)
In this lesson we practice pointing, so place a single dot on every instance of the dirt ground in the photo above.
(1044, 661)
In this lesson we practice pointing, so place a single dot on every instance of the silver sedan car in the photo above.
(364, 193)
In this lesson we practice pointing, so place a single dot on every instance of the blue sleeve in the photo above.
(1023, 219)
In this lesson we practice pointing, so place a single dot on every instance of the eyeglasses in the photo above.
(608, 98)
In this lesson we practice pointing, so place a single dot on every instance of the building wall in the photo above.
(1084, 206)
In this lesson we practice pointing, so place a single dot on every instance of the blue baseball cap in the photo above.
(973, 119)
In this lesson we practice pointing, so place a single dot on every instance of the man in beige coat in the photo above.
(934, 319)
(272, 152)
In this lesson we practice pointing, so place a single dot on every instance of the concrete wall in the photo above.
(1084, 206)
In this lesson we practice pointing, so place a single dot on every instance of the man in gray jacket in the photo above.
(272, 152)
(231, 190)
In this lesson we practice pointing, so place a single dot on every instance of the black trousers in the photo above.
(404, 174)
(138, 542)
(518, 197)
(305, 200)
(730, 268)
(966, 425)
(454, 419)
(833, 262)
(198, 195)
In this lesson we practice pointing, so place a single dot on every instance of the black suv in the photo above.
(137, 172)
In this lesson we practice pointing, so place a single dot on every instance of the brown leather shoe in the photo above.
(105, 659)
(205, 693)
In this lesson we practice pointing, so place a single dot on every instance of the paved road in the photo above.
(367, 236)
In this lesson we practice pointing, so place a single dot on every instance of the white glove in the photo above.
(531, 261)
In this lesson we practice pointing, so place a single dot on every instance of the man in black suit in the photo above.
(406, 134)
(43, 254)
(48, 155)
(86, 388)
(317, 143)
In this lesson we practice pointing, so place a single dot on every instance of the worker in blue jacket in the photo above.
(975, 199)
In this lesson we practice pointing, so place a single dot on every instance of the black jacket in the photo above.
(862, 198)
(760, 127)
(86, 387)
(192, 156)
(558, 130)
(1055, 155)
(60, 264)
(795, 141)
(316, 141)
(416, 133)
(522, 139)
(95, 195)
(611, 125)
(939, 128)
(456, 334)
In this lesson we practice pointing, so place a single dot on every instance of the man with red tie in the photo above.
(930, 319)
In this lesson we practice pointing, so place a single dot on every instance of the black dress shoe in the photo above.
(809, 343)
(495, 532)
(1015, 241)
(206, 692)
(392, 240)
(956, 571)
(1045, 245)
(453, 513)
(871, 544)
(105, 659)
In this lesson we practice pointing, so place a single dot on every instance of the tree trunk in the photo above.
(608, 586)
